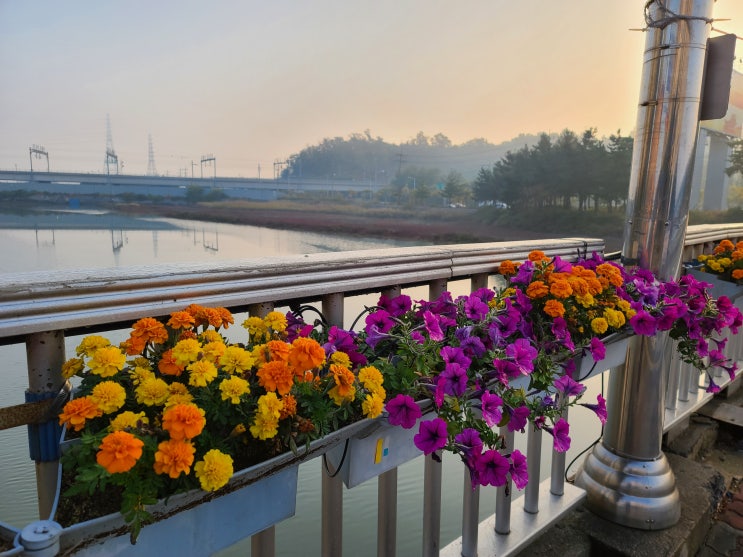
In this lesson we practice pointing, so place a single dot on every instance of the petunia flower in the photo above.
(519, 417)
(560, 435)
(492, 468)
(403, 411)
(432, 435)
(491, 408)
(599, 408)
(518, 469)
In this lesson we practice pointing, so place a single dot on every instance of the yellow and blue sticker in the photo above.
(382, 450)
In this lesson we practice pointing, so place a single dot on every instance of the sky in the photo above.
(251, 82)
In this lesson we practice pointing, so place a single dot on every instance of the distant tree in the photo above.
(456, 188)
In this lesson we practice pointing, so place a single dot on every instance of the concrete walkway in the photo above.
(707, 460)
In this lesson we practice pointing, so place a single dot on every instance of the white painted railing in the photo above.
(36, 308)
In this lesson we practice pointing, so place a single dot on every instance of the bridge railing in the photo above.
(39, 309)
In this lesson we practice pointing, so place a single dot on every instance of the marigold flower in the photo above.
(108, 396)
(186, 351)
(599, 325)
(233, 388)
(342, 395)
(276, 376)
(290, 407)
(184, 421)
(256, 328)
(370, 377)
(554, 308)
(561, 289)
(236, 360)
(275, 320)
(90, 344)
(344, 379)
(181, 320)
(168, 366)
(151, 330)
(270, 405)
(77, 411)
(507, 268)
(201, 373)
(737, 274)
(210, 335)
(612, 273)
(537, 289)
(119, 452)
(152, 392)
(537, 256)
(128, 420)
(72, 367)
(212, 316)
(278, 350)
(585, 300)
(174, 457)
(212, 351)
(264, 427)
(226, 317)
(372, 406)
(614, 318)
(340, 358)
(305, 354)
(107, 361)
(214, 471)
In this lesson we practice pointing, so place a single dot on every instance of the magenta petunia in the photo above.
(432, 326)
(560, 434)
(643, 323)
(597, 349)
(492, 468)
(453, 380)
(491, 408)
(568, 386)
(403, 411)
(519, 470)
(523, 354)
(431, 436)
(519, 417)
(599, 408)
(469, 441)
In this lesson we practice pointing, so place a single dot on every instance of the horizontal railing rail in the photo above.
(35, 305)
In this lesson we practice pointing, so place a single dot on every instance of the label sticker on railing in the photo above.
(381, 451)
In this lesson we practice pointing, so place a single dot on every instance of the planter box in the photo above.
(201, 523)
(616, 354)
(378, 449)
(719, 287)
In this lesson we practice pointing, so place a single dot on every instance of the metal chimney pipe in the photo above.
(627, 476)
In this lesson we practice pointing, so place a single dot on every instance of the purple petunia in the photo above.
(560, 435)
(599, 408)
(597, 349)
(491, 408)
(519, 417)
(396, 306)
(453, 380)
(568, 386)
(475, 308)
(469, 441)
(403, 411)
(432, 326)
(519, 470)
(455, 355)
(379, 319)
(431, 436)
(523, 354)
(643, 323)
(492, 468)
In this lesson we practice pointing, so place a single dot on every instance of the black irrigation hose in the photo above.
(588, 448)
(340, 464)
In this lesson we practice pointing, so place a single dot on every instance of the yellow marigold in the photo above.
(342, 395)
(233, 388)
(630, 313)
(210, 335)
(264, 427)
(554, 308)
(152, 392)
(213, 351)
(128, 420)
(507, 268)
(599, 325)
(77, 411)
(561, 289)
(174, 457)
(178, 398)
(737, 274)
(90, 344)
(256, 328)
(289, 407)
(537, 256)
(236, 360)
(107, 361)
(340, 358)
(181, 320)
(305, 354)
(138, 374)
(344, 379)
(260, 354)
(276, 376)
(537, 289)
(186, 351)
(614, 318)
(586, 300)
(725, 262)
(214, 471)
(372, 405)
(72, 367)
(177, 388)
(184, 421)
(108, 396)
(201, 373)
(370, 377)
(119, 452)
(239, 429)
(377, 390)
(275, 320)
(270, 405)
(623, 305)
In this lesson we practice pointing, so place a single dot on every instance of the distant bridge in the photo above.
(76, 183)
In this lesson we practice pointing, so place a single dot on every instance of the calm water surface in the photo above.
(92, 239)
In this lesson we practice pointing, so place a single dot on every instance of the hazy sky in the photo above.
(254, 81)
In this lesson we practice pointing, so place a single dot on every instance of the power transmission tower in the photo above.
(37, 151)
(111, 158)
(151, 170)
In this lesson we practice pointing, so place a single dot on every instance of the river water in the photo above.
(96, 239)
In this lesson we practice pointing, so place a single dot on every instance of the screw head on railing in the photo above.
(41, 538)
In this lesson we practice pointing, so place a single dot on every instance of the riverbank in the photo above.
(435, 225)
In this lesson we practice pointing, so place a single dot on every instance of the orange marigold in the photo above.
(737, 274)
(561, 289)
(168, 366)
(150, 329)
(119, 452)
(77, 411)
(537, 256)
(184, 421)
(279, 350)
(290, 407)
(276, 376)
(181, 320)
(723, 246)
(507, 268)
(537, 289)
(174, 457)
(554, 308)
(226, 316)
(305, 354)
(344, 379)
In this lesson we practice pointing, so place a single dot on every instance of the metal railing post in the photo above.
(503, 493)
(627, 477)
(470, 515)
(387, 514)
(533, 466)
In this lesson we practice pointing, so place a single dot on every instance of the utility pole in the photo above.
(37, 151)
(628, 478)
